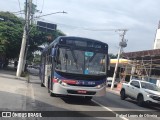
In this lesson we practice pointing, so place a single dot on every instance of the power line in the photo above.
(50, 14)
(40, 11)
(42, 7)
(36, 2)
(20, 6)
(88, 29)
(17, 11)
(83, 28)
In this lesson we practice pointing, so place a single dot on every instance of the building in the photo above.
(146, 63)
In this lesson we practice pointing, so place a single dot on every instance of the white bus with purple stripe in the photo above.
(75, 66)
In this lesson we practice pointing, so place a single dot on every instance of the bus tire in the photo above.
(42, 85)
(52, 94)
(48, 85)
(88, 98)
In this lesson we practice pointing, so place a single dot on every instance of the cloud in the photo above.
(140, 17)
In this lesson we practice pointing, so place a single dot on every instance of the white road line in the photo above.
(108, 109)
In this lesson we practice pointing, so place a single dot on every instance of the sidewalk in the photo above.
(10, 73)
(115, 90)
(16, 94)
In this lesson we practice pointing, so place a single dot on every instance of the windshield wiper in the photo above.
(74, 57)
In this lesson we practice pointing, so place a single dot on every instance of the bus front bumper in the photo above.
(78, 90)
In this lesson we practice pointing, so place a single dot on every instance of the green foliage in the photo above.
(11, 30)
(10, 34)
(37, 59)
(24, 74)
(37, 38)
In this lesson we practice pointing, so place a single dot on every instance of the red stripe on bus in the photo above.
(54, 80)
(70, 81)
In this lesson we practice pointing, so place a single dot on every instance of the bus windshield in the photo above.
(80, 61)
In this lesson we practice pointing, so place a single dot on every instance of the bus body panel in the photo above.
(73, 86)
(81, 87)
(73, 90)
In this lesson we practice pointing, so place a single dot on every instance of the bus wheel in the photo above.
(42, 85)
(88, 98)
(52, 94)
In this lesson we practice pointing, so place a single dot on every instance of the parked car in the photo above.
(109, 82)
(142, 91)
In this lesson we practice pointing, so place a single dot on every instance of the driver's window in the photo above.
(132, 83)
(135, 84)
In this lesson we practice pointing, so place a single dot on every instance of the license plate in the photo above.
(82, 91)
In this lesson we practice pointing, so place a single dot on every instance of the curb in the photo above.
(113, 91)
(12, 77)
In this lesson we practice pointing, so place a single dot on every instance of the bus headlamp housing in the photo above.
(61, 82)
(101, 85)
(64, 84)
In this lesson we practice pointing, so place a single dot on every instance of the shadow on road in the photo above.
(77, 101)
(146, 105)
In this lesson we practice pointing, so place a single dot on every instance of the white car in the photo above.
(109, 82)
(141, 91)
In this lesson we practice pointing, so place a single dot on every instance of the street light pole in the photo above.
(122, 44)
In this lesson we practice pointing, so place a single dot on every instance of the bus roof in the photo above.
(82, 38)
(72, 37)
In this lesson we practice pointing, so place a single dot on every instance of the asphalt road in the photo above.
(110, 102)
(18, 95)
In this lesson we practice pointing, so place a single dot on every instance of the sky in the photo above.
(95, 19)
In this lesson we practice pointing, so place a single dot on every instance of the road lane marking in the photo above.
(108, 109)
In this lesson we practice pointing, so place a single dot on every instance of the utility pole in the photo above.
(28, 30)
(122, 44)
(24, 39)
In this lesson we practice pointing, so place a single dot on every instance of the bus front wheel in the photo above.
(52, 94)
(42, 85)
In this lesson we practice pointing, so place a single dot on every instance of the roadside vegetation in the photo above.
(11, 30)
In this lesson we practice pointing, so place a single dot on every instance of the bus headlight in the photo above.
(100, 86)
(59, 81)
(64, 84)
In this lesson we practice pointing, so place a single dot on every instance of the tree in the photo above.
(10, 33)
(11, 30)
(38, 38)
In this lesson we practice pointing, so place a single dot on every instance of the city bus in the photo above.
(75, 66)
